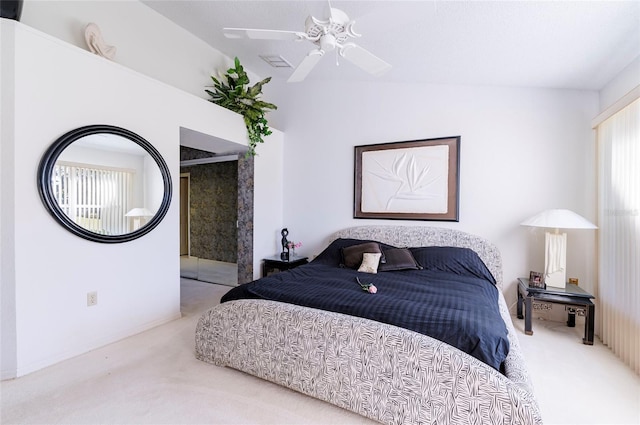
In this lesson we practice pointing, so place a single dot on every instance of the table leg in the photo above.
(528, 307)
(589, 323)
(519, 307)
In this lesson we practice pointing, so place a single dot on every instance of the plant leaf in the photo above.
(232, 92)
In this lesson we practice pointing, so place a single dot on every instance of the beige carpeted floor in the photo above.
(153, 378)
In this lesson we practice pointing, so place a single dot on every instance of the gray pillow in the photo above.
(352, 255)
(398, 259)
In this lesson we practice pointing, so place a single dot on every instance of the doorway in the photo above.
(209, 221)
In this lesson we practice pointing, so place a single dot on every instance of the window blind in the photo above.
(618, 290)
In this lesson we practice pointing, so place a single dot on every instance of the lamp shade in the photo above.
(139, 212)
(559, 219)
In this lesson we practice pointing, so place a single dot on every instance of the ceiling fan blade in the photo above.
(328, 10)
(364, 59)
(263, 34)
(305, 67)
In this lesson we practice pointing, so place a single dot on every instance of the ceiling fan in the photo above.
(329, 34)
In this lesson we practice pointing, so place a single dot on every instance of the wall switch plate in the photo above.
(92, 298)
(573, 280)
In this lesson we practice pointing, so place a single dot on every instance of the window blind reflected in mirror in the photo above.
(95, 198)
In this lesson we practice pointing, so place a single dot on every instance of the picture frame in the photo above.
(536, 280)
(410, 180)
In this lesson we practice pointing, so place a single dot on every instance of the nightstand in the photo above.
(276, 264)
(576, 301)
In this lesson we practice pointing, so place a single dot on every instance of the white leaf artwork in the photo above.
(97, 45)
(407, 180)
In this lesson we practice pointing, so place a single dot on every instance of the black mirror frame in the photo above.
(45, 189)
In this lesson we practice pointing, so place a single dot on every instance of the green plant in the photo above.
(232, 91)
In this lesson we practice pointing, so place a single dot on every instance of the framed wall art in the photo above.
(413, 180)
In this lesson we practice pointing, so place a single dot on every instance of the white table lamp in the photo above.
(555, 255)
(139, 215)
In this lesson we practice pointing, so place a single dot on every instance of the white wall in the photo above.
(268, 199)
(48, 88)
(522, 151)
(145, 40)
(8, 359)
(622, 84)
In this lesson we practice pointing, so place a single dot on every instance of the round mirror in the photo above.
(105, 183)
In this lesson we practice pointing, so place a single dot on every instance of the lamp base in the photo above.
(555, 264)
(557, 279)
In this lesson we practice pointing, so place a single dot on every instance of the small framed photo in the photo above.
(535, 280)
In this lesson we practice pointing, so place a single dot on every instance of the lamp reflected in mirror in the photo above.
(140, 217)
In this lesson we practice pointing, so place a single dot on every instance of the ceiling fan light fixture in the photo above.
(328, 42)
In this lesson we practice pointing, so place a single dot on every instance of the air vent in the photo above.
(276, 61)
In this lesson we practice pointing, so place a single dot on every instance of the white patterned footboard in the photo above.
(389, 374)
(386, 373)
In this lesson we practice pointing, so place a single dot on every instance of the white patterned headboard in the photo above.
(415, 236)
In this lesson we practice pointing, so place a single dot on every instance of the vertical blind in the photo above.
(618, 291)
(94, 198)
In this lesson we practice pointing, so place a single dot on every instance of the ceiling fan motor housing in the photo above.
(330, 32)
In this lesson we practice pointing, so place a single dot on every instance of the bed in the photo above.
(390, 372)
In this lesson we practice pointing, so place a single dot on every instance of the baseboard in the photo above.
(7, 374)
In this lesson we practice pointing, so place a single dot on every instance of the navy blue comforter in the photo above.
(451, 297)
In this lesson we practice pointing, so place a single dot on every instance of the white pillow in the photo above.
(370, 262)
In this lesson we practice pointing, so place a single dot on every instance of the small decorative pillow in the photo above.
(399, 259)
(370, 262)
(333, 255)
(352, 255)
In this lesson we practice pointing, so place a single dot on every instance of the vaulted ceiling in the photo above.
(553, 44)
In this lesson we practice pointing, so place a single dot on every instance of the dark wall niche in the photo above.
(214, 210)
(191, 153)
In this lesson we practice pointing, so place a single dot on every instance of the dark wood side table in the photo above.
(576, 301)
(276, 264)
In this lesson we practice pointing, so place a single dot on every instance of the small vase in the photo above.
(293, 253)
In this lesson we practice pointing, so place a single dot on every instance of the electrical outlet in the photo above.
(92, 298)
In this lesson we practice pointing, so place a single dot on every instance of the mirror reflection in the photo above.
(107, 184)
